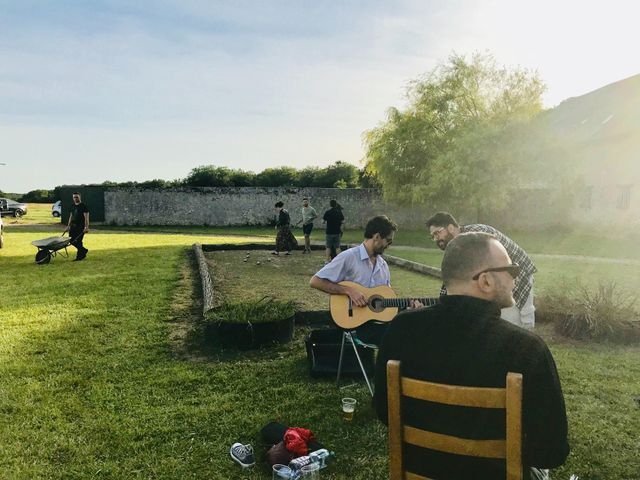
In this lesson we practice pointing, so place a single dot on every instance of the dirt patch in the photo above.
(254, 274)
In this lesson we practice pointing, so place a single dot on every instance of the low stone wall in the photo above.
(245, 206)
(205, 279)
(414, 266)
(236, 206)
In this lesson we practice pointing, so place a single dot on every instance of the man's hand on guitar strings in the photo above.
(357, 298)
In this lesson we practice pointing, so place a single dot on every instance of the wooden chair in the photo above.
(509, 399)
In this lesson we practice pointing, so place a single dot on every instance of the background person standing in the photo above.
(309, 214)
(284, 238)
(443, 228)
(78, 225)
(333, 218)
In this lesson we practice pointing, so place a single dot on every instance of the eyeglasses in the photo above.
(389, 240)
(436, 233)
(513, 270)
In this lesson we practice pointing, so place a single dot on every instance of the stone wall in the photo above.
(226, 206)
(233, 206)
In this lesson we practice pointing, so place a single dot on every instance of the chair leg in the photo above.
(364, 372)
(340, 361)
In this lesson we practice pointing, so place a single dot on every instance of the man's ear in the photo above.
(486, 283)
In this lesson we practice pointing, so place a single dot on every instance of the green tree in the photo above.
(38, 196)
(457, 140)
(307, 176)
(156, 183)
(369, 177)
(241, 178)
(339, 175)
(209, 176)
(277, 177)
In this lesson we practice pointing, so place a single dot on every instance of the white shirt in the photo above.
(355, 265)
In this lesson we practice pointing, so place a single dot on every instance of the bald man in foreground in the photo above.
(463, 341)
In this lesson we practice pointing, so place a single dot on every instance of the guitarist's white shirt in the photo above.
(355, 265)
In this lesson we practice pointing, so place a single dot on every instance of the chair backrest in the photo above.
(508, 399)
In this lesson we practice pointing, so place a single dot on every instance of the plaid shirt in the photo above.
(524, 281)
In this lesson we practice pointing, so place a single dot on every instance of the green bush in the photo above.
(608, 313)
(267, 309)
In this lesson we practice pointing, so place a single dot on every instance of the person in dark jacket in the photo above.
(463, 341)
(78, 225)
(285, 241)
(334, 220)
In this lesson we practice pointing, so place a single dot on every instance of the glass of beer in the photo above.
(348, 407)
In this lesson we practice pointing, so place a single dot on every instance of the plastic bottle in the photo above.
(319, 456)
(297, 463)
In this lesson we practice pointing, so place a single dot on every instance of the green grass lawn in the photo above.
(94, 383)
(553, 273)
(607, 243)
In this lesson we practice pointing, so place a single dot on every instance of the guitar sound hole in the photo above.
(376, 304)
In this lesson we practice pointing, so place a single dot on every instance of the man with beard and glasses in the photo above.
(363, 265)
(443, 228)
(463, 341)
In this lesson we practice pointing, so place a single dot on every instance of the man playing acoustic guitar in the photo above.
(362, 264)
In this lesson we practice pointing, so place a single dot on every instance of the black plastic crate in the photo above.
(323, 354)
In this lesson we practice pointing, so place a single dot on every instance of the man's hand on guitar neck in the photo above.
(415, 304)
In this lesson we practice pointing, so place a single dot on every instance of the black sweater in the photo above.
(463, 341)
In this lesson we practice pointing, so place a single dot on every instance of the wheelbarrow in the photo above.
(50, 247)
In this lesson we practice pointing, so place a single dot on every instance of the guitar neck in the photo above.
(406, 302)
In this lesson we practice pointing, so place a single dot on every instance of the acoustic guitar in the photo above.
(382, 306)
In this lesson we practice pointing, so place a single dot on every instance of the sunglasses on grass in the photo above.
(513, 270)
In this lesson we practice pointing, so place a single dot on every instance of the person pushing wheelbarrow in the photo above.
(78, 225)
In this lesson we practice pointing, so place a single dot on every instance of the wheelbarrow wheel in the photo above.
(43, 257)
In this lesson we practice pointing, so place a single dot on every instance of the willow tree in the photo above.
(457, 140)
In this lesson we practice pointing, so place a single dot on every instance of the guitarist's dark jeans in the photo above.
(372, 332)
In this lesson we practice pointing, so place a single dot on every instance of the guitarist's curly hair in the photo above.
(380, 224)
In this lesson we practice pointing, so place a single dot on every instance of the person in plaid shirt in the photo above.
(443, 228)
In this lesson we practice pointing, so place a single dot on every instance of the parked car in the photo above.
(56, 209)
(13, 208)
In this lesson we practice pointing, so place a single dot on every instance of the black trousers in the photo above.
(76, 236)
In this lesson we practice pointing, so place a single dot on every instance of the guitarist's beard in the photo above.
(379, 250)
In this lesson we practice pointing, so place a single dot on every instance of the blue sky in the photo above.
(110, 90)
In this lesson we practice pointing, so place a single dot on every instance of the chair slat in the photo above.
(514, 426)
(456, 445)
(480, 397)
